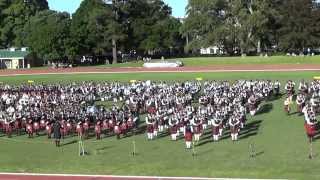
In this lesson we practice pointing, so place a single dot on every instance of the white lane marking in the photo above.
(128, 177)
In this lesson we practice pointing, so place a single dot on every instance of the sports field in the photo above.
(279, 141)
(210, 61)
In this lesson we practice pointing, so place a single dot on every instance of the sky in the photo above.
(178, 6)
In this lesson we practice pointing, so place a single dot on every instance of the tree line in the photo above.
(102, 28)
(98, 28)
(256, 26)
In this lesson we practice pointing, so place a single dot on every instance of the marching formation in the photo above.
(184, 109)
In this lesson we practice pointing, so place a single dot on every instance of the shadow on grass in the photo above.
(274, 97)
(266, 108)
(251, 129)
(70, 142)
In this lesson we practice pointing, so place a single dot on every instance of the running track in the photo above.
(217, 68)
(83, 70)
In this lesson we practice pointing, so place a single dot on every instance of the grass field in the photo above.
(207, 61)
(279, 140)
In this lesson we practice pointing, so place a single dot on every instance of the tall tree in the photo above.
(94, 27)
(203, 24)
(14, 15)
(300, 25)
(152, 28)
(235, 24)
(48, 35)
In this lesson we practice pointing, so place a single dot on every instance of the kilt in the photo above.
(310, 129)
(150, 128)
(79, 129)
(151, 110)
(252, 107)
(117, 130)
(48, 128)
(215, 130)
(234, 129)
(86, 126)
(174, 129)
(197, 129)
(17, 124)
(130, 124)
(188, 137)
(105, 125)
(8, 128)
(29, 128)
(36, 126)
(97, 129)
(124, 127)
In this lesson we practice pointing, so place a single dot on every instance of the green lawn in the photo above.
(279, 140)
(207, 61)
(211, 61)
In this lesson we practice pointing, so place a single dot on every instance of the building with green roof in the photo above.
(14, 58)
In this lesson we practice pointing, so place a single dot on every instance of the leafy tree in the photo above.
(300, 26)
(48, 35)
(14, 15)
(93, 28)
(152, 28)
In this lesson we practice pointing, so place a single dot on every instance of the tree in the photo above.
(93, 28)
(152, 29)
(48, 35)
(300, 26)
(14, 15)
(141, 25)
(231, 25)
(203, 24)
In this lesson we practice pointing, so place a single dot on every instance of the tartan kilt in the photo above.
(252, 107)
(234, 129)
(197, 129)
(29, 128)
(117, 129)
(174, 130)
(151, 110)
(130, 124)
(17, 125)
(124, 127)
(8, 128)
(150, 128)
(36, 126)
(215, 130)
(105, 125)
(311, 130)
(97, 129)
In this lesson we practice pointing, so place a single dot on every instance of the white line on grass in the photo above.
(127, 177)
(165, 71)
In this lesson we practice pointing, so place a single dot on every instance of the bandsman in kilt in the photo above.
(188, 137)
(216, 126)
(173, 124)
(150, 125)
(234, 127)
(310, 124)
(300, 101)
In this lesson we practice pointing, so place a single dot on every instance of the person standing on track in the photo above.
(57, 133)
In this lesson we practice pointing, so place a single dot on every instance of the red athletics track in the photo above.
(216, 68)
